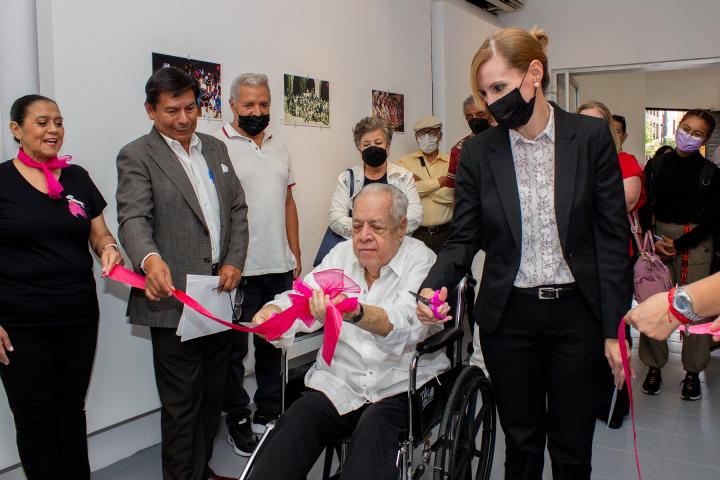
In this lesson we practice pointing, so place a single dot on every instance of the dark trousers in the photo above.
(254, 292)
(46, 383)
(434, 241)
(190, 378)
(312, 423)
(545, 361)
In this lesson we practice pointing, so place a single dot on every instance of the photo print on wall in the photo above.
(391, 107)
(207, 74)
(306, 102)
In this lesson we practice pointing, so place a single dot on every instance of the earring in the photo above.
(536, 84)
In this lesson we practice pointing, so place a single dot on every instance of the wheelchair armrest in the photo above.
(439, 340)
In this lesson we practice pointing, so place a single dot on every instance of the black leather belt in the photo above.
(435, 229)
(549, 292)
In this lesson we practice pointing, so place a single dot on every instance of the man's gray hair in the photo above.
(248, 79)
(399, 205)
(468, 101)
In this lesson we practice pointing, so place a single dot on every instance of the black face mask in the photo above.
(478, 125)
(374, 156)
(512, 111)
(253, 124)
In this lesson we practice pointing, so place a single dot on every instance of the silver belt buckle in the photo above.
(548, 293)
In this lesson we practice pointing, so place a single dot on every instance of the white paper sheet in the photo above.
(202, 288)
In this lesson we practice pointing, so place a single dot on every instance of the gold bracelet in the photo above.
(111, 245)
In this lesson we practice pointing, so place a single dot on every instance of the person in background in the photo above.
(632, 173)
(372, 136)
(478, 120)
(542, 195)
(49, 212)
(262, 163)
(683, 209)
(181, 210)
(430, 171)
(632, 185)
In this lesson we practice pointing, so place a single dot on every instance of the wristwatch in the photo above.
(359, 316)
(683, 304)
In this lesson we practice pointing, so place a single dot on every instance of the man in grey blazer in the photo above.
(181, 210)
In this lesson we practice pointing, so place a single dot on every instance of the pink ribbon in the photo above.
(54, 187)
(333, 283)
(702, 329)
(628, 379)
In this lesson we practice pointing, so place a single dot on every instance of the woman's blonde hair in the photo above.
(518, 47)
(589, 105)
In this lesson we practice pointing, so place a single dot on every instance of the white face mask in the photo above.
(428, 143)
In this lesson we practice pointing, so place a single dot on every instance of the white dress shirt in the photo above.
(541, 261)
(265, 173)
(203, 183)
(366, 367)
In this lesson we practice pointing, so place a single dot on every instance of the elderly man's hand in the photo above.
(319, 303)
(264, 314)
(425, 313)
(652, 318)
(158, 280)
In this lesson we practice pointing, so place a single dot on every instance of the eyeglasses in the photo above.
(695, 133)
(427, 131)
(236, 306)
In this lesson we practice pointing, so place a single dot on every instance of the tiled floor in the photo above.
(676, 439)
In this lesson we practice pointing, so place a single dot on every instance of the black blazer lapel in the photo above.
(168, 162)
(566, 158)
(503, 168)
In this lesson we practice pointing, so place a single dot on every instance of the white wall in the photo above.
(18, 67)
(628, 94)
(458, 31)
(95, 59)
(611, 32)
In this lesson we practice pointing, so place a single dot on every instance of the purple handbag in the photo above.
(650, 274)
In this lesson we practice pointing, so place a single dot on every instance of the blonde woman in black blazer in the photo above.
(542, 195)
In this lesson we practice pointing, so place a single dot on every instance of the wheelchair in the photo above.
(452, 418)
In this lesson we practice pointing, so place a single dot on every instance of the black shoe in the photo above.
(691, 387)
(652, 382)
(260, 421)
(241, 437)
(616, 421)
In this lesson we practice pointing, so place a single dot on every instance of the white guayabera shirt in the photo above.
(368, 367)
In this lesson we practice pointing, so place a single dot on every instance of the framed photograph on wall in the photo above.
(306, 101)
(391, 107)
(207, 74)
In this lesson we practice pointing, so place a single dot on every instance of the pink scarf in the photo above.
(53, 186)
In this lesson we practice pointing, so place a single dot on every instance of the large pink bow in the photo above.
(333, 283)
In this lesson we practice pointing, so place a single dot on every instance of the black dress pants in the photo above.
(545, 361)
(190, 378)
(46, 383)
(256, 291)
(312, 423)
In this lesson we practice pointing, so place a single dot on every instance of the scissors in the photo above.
(433, 303)
(612, 407)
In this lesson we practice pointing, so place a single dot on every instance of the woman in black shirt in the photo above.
(684, 206)
(49, 212)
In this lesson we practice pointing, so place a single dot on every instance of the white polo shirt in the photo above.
(265, 173)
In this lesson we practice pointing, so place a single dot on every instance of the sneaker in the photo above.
(241, 437)
(259, 423)
(691, 387)
(652, 382)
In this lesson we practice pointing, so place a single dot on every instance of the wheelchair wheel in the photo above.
(461, 423)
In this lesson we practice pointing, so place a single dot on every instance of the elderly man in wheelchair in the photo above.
(362, 394)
